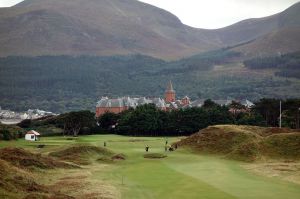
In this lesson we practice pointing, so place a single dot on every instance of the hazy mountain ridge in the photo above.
(254, 28)
(110, 27)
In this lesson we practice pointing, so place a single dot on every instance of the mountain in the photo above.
(110, 27)
(63, 55)
(97, 27)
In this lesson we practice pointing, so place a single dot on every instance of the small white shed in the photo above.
(32, 135)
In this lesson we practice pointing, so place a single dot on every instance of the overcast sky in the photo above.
(211, 13)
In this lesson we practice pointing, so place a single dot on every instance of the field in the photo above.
(182, 174)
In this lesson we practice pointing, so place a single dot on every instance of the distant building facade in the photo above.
(121, 104)
(118, 105)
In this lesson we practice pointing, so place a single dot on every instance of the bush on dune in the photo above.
(10, 132)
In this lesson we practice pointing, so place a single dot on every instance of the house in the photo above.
(247, 103)
(32, 135)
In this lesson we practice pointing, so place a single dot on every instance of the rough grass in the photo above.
(20, 178)
(18, 181)
(82, 154)
(282, 145)
(25, 159)
(47, 196)
(155, 155)
(246, 143)
(286, 170)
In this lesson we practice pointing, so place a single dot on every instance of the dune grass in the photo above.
(183, 174)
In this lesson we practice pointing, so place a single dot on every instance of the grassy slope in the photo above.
(181, 175)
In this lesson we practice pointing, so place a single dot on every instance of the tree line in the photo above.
(147, 120)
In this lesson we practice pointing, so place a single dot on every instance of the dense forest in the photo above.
(64, 83)
(288, 65)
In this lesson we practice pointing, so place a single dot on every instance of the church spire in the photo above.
(170, 95)
(170, 86)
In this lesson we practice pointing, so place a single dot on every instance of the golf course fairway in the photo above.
(182, 174)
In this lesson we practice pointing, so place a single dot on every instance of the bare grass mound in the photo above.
(119, 156)
(155, 156)
(245, 143)
(20, 170)
(14, 179)
(82, 154)
(17, 182)
(25, 159)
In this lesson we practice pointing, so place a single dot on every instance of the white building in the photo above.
(32, 135)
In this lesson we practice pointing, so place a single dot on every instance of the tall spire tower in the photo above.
(170, 95)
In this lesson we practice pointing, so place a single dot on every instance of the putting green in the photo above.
(181, 175)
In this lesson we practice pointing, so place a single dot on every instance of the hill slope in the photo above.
(63, 83)
(277, 42)
(109, 27)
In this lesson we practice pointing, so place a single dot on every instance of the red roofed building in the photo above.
(119, 105)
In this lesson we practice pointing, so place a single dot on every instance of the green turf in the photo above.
(182, 174)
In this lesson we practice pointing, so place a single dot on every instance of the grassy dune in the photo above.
(182, 174)
(246, 143)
